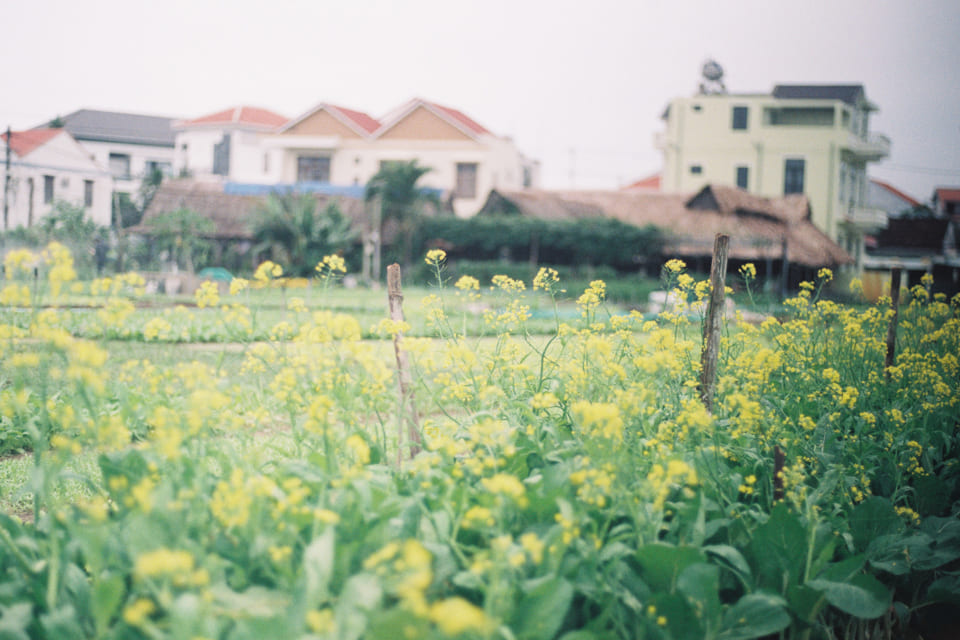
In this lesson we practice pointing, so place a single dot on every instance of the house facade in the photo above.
(47, 166)
(334, 145)
(811, 139)
(131, 146)
(227, 144)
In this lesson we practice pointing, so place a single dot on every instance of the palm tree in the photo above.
(395, 186)
(296, 235)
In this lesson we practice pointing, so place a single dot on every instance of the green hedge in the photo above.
(596, 241)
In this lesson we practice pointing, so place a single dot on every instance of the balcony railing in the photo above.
(872, 147)
(865, 220)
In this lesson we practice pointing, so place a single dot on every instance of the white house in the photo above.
(131, 146)
(226, 144)
(46, 166)
(333, 145)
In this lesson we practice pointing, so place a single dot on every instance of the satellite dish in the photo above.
(712, 74)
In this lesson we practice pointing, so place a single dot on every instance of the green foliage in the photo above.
(593, 241)
(402, 202)
(296, 235)
(184, 234)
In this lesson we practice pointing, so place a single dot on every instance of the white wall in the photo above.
(70, 165)
(139, 154)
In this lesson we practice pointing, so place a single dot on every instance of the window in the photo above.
(47, 189)
(266, 163)
(740, 118)
(313, 169)
(88, 193)
(221, 156)
(119, 164)
(152, 166)
(466, 180)
(793, 170)
(743, 177)
(696, 107)
(696, 169)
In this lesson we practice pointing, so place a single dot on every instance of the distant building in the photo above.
(811, 139)
(896, 203)
(946, 201)
(131, 146)
(47, 166)
(334, 145)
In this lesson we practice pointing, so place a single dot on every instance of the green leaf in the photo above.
(862, 596)
(62, 624)
(755, 615)
(107, 595)
(778, 549)
(14, 621)
(730, 558)
(661, 564)
(541, 612)
(945, 589)
(680, 617)
(873, 517)
(700, 583)
(318, 560)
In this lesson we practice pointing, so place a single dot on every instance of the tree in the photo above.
(184, 234)
(395, 185)
(296, 234)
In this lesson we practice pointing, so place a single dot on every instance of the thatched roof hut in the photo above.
(758, 227)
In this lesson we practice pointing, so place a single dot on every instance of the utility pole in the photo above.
(6, 183)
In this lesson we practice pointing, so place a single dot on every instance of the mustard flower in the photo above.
(455, 616)
(467, 283)
(748, 271)
(546, 279)
(267, 270)
(435, 257)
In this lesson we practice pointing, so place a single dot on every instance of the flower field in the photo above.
(569, 482)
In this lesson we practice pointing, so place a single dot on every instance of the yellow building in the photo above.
(812, 139)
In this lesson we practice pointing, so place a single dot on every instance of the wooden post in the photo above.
(892, 328)
(784, 269)
(407, 405)
(714, 320)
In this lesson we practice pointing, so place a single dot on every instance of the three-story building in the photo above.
(811, 139)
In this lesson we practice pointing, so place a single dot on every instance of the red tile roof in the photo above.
(460, 117)
(950, 194)
(23, 142)
(650, 183)
(892, 189)
(240, 115)
(359, 118)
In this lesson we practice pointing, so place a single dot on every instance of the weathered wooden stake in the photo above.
(892, 328)
(395, 302)
(713, 323)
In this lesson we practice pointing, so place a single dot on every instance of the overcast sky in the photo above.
(579, 85)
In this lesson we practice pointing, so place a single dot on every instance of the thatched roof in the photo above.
(231, 213)
(757, 226)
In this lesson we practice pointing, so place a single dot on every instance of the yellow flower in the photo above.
(136, 613)
(163, 562)
(468, 283)
(321, 621)
(675, 266)
(455, 616)
(435, 257)
(748, 271)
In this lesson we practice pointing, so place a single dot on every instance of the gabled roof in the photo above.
(454, 117)
(24, 142)
(852, 94)
(359, 121)
(239, 115)
(731, 200)
(112, 126)
(690, 230)
(886, 186)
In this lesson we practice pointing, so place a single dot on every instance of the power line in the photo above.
(919, 169)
